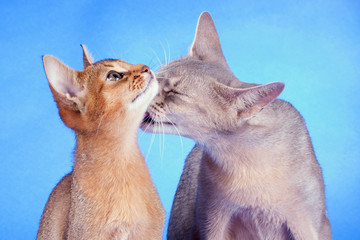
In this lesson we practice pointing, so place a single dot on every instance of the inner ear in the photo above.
(249, 101)
(264, 94)
(206, 45)
(63, 83)
(87, 59)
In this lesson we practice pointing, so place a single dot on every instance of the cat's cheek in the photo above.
(154, 89)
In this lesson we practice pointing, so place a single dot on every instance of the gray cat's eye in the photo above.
(114, 76)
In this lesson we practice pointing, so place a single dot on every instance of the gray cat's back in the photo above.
(293, 134)
(289, 128)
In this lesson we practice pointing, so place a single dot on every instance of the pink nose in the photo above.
(145, 69)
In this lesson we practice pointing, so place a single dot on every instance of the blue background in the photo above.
(313, 46)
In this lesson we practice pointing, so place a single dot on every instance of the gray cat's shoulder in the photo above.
(283, 107)
(283, 112)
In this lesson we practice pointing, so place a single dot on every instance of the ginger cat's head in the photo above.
(105, 93)
(200, 97)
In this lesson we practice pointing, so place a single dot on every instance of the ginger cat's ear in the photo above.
(206, 45)
(249, 101)
(62, 80)
(87, 59)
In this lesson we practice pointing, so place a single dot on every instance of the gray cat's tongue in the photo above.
(146, 115)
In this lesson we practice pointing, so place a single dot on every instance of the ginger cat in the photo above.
(253, 173)
(110, 193)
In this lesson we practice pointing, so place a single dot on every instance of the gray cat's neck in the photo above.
(258, 141)
(240, 148)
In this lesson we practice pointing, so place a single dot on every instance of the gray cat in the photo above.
(253, 173)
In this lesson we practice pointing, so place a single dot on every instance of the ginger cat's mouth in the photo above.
(150, 124)
(146, 89)
(148, 120)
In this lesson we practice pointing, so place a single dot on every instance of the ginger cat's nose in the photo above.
(140, 68)
(145, 69)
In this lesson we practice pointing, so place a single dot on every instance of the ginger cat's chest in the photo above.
(118, 192)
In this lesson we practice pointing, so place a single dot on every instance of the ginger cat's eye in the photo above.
(114, 76)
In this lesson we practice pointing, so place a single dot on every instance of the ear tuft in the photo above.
(206, 45)
(87, 59)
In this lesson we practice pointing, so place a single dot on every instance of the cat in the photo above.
(253, 173)
(109, 194)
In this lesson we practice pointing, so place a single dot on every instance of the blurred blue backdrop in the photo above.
(313, 46)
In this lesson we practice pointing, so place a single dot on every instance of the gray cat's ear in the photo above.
(62, 80)
(206, 45)
(249, 101)
(87, 59)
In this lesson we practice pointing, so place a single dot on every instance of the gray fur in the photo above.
(253, 173)
(183, 209)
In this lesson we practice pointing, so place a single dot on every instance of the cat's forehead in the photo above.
(175, 67)
(115, 64)
(186, 66)
(184, 70)
(197, 72)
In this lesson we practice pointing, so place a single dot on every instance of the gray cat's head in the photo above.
(199, 96)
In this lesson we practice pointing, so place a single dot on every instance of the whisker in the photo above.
(165, 55)
(153, 64)
(168, 49)
(156, 68)
(159, 144)
(157, 57)
(151, 61)
(143, 131)
(151, 143)
(163, 133)
(181, 141)
(162, 146)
